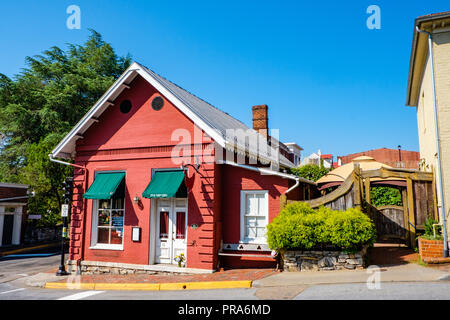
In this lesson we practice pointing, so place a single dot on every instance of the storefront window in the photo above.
(110, 221)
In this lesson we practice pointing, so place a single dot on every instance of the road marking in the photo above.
(20, 289)
(81, 295)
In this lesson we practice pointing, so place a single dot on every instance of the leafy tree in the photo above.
(384, 196)
(312, 172)
(41, 104)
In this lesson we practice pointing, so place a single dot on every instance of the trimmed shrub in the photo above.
(300, 227)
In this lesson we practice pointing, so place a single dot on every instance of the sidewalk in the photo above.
(397, 264)
(236, 278)
(397, 273)
(243, 278)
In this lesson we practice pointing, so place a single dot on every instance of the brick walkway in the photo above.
(222, 275)
(391, 254)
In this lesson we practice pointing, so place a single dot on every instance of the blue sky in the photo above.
(330, 82)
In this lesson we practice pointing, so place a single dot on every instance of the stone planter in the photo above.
(305, 260)
(430, 250)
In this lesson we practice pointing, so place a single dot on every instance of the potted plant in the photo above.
(431, 243)
(180, 259)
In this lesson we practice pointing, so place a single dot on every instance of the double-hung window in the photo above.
(254, 215)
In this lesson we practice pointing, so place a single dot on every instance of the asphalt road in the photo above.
(20, 266)
(14, 273)
(388, 291)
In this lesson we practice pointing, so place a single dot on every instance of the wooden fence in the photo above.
(400, 222)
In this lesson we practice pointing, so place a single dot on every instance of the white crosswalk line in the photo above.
(80, 295)
(12, 291)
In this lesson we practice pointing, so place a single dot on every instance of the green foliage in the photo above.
(384, 196)
(311, 172)
(300, 227)
(429, 234)
(41, 104)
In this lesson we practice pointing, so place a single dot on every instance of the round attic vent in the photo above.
(157, 103)
(125, 106)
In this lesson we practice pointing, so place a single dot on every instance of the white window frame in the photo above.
(94, 224)
(244, 194)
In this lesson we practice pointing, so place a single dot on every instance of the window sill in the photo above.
(118, 247)
(253, 241)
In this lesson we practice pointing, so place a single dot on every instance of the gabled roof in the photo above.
(213, 121)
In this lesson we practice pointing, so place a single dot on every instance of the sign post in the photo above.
(68, 186)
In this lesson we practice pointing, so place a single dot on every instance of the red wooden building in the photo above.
(159, 172)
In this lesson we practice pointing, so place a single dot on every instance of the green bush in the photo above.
(385, 196)
(300, 227)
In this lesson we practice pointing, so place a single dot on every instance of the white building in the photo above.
(296, 150)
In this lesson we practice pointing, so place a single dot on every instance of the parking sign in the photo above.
(65, 210)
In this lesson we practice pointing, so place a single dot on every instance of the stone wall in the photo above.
(33, 234)
(113, 268)
(296, 260)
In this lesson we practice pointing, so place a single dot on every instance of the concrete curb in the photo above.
(205, 285)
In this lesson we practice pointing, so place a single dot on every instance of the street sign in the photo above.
(65, 210)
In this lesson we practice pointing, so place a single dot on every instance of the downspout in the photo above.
(84, 219)
(270, 172)
(433, 85)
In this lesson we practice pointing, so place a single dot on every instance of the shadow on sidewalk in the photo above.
(391, 254)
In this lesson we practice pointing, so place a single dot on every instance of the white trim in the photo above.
(135, 68)
(244, 240)
(104, 101)
(266, 171)
(152, 245)
(104, 246)
(182, 107)
(17, 222)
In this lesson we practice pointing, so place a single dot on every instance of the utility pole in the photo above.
(65, 209)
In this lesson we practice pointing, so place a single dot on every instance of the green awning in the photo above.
(105, 185)
(164, 184)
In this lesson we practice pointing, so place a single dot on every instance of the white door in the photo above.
(171, 223)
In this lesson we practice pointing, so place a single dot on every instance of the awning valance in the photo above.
(105, 185)
(164, 184)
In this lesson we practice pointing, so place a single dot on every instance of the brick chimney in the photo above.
(261, 119)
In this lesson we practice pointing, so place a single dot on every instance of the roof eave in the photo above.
(411, 94)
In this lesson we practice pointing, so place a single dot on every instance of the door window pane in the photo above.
(181, 225)
(163, 224)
